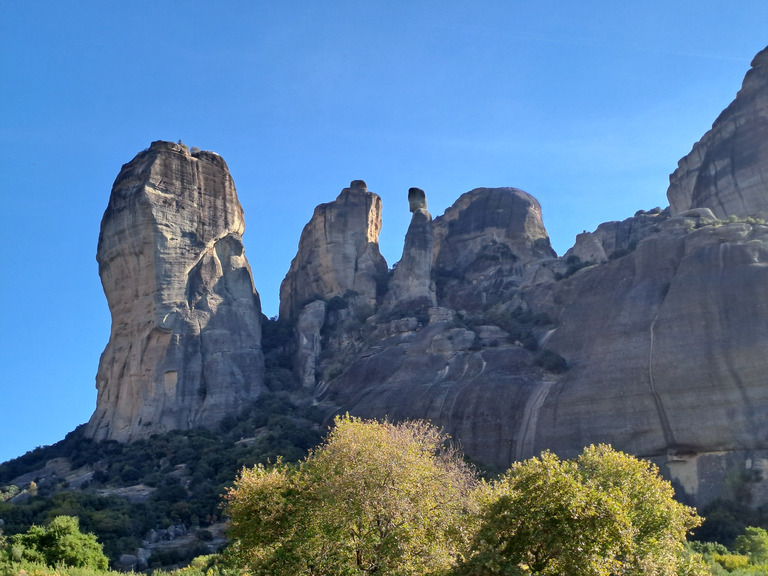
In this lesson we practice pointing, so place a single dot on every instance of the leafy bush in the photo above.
(61, 542)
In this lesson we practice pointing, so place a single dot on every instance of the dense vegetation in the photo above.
(185, 474)
(379, 498)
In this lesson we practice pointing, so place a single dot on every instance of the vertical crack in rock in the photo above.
(669, 437)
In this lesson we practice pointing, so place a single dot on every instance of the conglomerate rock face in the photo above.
(338, 254)
(727, 170)
(185, 345)
(483, 244)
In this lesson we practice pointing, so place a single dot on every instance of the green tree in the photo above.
(753, 543)
(603, 513)
(374, 498)
(61, 542)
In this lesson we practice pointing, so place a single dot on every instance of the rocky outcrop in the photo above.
(411, 286)
(483, 244)
(338, 254)
(648, 334)
(185, 345)
(727, 170)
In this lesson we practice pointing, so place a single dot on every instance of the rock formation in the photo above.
(727, 170)
(412, 286)
(308, 342)
(483, 244)
(185, 345)
(338, 254)
(648, 334)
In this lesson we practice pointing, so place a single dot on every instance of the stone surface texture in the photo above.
(338, 254)
(727, 170)
(411, 286)
(185, 345)
(483, 244)
(308, 342)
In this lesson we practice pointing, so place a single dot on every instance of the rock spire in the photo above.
(185, 345)
(411, 285)
(338, 254)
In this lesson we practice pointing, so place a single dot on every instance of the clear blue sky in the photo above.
(586, 105)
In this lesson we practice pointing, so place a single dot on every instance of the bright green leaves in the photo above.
(61, 542)
(603, 513)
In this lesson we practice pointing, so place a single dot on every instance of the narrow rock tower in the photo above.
(338, 254)
(185, 345)
(411, 285)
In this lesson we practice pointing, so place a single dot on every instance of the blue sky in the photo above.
(586, 105)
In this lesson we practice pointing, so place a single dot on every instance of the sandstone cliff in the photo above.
(185, 345)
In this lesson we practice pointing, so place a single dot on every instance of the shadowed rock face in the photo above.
(649, 334)
(727, 170)
(338, 254)
(483, 244)
(185, 345)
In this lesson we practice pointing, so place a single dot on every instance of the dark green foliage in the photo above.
(188, 470)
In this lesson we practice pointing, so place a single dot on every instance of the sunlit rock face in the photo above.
(185, 344)
(727, 170)
(338, 254)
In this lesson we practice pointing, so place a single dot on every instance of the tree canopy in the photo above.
(374, 498)
(395, 499)
(602, 513)
(60, 542)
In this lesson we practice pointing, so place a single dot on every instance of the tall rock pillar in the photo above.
(185, 345)
(411, 285)
(338, 254)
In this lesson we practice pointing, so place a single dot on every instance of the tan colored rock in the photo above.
(727, 170)
(185, 345)
(338, 254)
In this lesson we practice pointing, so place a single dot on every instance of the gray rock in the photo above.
(727, 170)
(411, 286)
(127, 563)
(308, 342)
(185, 347)
(483, 245)
(338, 254)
